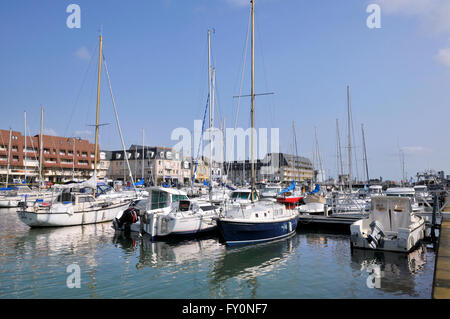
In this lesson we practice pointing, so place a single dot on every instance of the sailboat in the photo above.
(257, 221)
(75, 203)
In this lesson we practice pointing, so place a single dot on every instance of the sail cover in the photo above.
(316, 190)
(288, 189)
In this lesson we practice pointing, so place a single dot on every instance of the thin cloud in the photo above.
(443, 57)
(415, 150)
(49, 131)
(83, 53)
(83, 134)
(239, 3)
(433, 16)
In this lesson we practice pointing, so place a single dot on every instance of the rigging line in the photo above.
(118, 123)
(32, 145)
(79, 91)
(241, 81)
(354, 148)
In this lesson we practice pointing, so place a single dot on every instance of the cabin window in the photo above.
(66, 198)
(159, 199)
(176, 198)
(256, 215)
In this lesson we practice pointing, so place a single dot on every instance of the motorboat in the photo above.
(12, 196)
(375, 190)
(391, 226)
(423, 197)
(314, 204)
(408, 192)
(169, 211)
(242, 196)
(270, 192)
(290, 196)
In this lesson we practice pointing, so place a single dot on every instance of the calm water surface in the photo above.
(33, 264)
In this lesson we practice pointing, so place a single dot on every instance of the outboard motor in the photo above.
(129, 216)
(377, 234)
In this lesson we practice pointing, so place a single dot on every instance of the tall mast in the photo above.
(143, 154)
(73, 160)
(293, 152)
(25, 153)
(339, 154)
(253, 98)
(41, 149)
(210, 112)
(9, 156)
(365, 153)
(98, 104)
(349, 141)
(318, 154)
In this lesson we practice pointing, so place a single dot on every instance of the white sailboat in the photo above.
(76, 203)
(257, 221)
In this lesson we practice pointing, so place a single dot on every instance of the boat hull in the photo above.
(57, 219)
(239, 233)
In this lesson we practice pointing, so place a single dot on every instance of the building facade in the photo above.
(63, 158)
(275, 167)
(157, 165)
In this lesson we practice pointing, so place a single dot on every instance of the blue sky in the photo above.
(307, 53)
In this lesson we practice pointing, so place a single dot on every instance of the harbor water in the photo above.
(42, 263)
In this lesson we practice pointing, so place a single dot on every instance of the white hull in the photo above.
(160, 224)
(391, 226)
(67, 218)
(312, 208)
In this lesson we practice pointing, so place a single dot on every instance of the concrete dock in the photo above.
(326, 222)
(441, 282)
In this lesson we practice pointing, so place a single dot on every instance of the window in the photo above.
(15, 148)
(176, 198)
(159, 199)
(62, 152)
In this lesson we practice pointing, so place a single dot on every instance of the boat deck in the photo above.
(441, 282)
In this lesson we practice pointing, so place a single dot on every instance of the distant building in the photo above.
(275, 167)
(63, 158)
(156, 165)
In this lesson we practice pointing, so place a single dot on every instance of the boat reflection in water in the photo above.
(41, 256)
(170, 252)
(390, 271)
(245, 264)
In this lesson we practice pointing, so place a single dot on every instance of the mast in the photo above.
(253, 97)
(98, 105)
(73, 160)
(143, 154)
(41, 149)
(349, 141)
(9, 156)
(339, 154)
(210, 112)
(25, 153)
(365, 153)
(318, 154)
